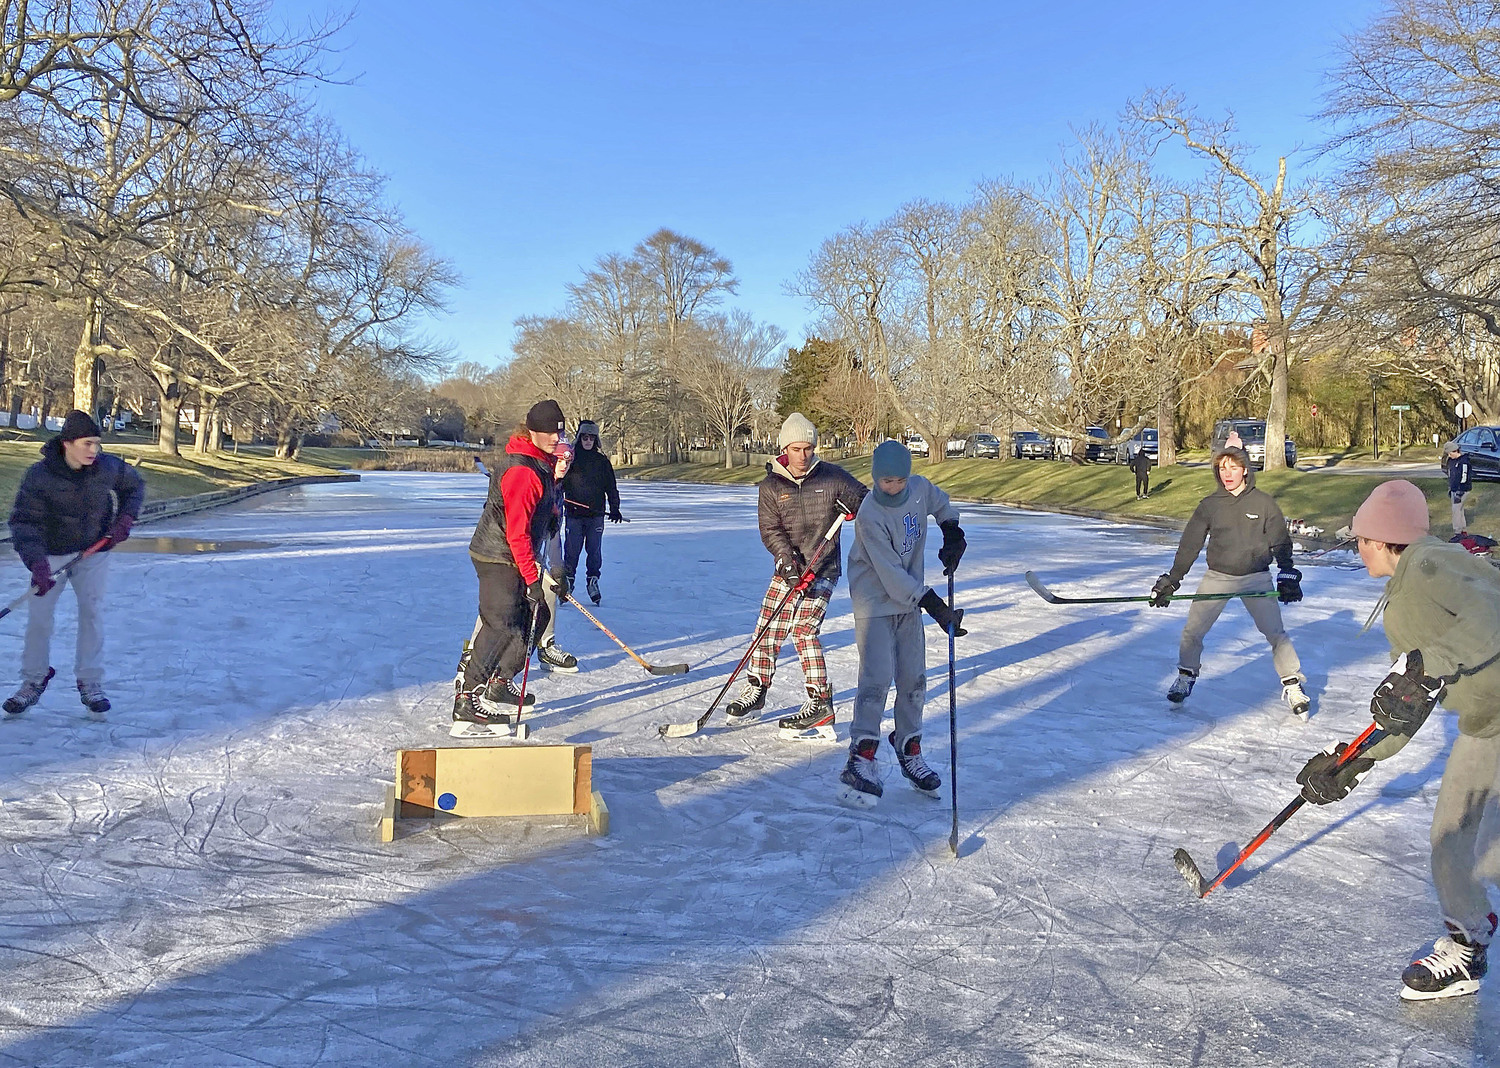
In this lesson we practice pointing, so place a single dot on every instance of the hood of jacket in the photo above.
(778, 466)
(522, 445)
(1243, 459)
(52, 455)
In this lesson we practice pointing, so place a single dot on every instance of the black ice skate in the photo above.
(1454, 967)
(92, 696)
(813, 722)
(861, 776)
(593, 587)
(472, 720)
(554, 659)
(1181, 687)
(502, 698)
(29, 694)
(914, 767)
(751, 700)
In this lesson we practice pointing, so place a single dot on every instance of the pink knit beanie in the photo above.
(1395, 513)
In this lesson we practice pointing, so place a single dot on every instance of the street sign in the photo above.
(1463, 409)
(1401, 407)
(1315, 411)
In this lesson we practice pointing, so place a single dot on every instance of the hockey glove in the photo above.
(121, 530)
(41, 577)
(1405, 698)
(1161, 593)
(560, 584)
(616, 517)
(1324, 781)
(937, 608)
(1289, 585)
(790, 566)
(953, 545)
(539, 616)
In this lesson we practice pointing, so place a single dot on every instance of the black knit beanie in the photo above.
(78, 425)
(545, 417)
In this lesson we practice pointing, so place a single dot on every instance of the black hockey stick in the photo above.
(655, 669)
(1052, 598)
(687, 730)
(1202, 887)
(952, 721)
(59, 573)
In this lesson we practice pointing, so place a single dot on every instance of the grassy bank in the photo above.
(1324, 500)
(166, 476)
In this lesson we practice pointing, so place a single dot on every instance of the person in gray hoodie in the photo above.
(889, 594)
(1245, 531)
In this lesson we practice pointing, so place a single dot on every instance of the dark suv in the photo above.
(1253, 433)
(1482, 443)
(1029, 445)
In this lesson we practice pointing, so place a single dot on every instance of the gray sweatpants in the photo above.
(1266, 611)
(88, 580)
(891, 649)
(1466, 832)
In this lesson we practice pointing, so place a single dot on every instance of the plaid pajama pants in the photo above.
(800, 620)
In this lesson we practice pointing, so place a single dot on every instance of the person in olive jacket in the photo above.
(799, 498)
(70, 500)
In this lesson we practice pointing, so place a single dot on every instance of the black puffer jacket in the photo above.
(589, 487)
(796, 513)
(60, 511)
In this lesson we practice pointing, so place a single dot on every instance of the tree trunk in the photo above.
(166, 434)
(289, 440)
(200, 434)
(46, 407)
(1166, 426)
(1276, 418)
(216, 432)
(84, 379)
(15, 407)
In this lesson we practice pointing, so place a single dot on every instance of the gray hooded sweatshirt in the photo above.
(885, 565)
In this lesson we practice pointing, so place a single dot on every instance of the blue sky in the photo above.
(523, 140)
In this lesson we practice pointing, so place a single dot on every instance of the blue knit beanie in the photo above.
(891, 460)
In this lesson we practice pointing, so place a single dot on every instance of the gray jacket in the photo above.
(885, 565)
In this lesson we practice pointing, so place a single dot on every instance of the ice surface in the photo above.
(199, 880)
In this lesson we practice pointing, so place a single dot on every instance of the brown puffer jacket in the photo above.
(796, 513)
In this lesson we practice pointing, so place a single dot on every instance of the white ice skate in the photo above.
(1295, 697)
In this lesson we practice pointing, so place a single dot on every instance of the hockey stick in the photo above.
(1201, 886)
(952, 722)
(536, 616)
(1052, 598)
(64, 570)
(655, 669)
(687, 730)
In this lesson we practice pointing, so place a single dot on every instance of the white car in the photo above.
(917, 445)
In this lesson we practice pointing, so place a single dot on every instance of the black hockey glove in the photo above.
(539, 616)
(1324, 781)
(561, 584)
(1161, 593)
(953, 545)
(1289, 585)
(790, 566)
(937, 608)
(616, 517)
(1405, 698)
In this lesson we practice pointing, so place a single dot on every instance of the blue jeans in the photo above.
(584, 533)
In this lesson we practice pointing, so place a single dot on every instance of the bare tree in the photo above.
(733, 348)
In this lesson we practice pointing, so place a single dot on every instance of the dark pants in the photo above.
(500, 648)
(1142, 483)
(584, 532)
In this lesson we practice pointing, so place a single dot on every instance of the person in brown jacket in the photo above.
(799, 499)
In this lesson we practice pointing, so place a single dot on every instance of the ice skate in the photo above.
(813, 722)
(593, 587)
(1295, 697)
(554, 659)
(751, 700)
(1181, 687)
(861, 776)
(914, 767)
(29, 694)
(501, 698)
(1454, 968)
(92, 696)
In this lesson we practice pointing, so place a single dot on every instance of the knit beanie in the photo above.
(797, 427)
(891, 460)
(545, 417)
(78, 425)
(588, 426)
(1395, 513)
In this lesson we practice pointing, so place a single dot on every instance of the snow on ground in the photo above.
(199, 881)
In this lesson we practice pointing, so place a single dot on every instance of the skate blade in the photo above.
(936, 795)
(853, 798)
(824, 733)
(741, 721)
(1453, 990)
(468, 729)
(560, 669)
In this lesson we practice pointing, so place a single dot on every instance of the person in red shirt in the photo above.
(506, 551)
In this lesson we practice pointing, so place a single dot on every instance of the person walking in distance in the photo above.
(799, 499)
(1245, 531)
(506, 550)
(1140, 463)
(1442, 620)
(889, 594)
(588, 488)
(74, 496)
(1460, 482)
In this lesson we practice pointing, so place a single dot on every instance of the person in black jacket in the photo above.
(1245, 530)
(588, 485)
(74, 497)
(1460, 482)
(1140, 463)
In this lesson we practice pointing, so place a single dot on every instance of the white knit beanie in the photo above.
(797, 427)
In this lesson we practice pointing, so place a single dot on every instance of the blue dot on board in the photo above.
(447, 801)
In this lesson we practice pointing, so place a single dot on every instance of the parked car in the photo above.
(1094, 446)
(982, 445)
(958, 446)
(1482, 443)
(1145, 441)
(1253, 433)
(916, 444)
(1029, 445)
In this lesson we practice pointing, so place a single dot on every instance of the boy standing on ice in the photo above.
(799, 500)
(71, 498)
(1245, 530)
(1442, 610)
(889, 595)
